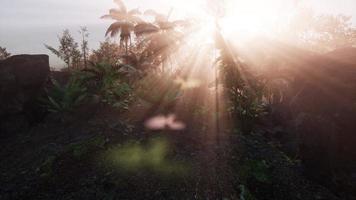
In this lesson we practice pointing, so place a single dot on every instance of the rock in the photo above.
(22, 77)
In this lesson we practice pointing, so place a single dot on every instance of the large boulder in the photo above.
(22, 78)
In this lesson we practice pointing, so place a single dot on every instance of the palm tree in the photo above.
(124, 25)
(161, 37)
(162, 21)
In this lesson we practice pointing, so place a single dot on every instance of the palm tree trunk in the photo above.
(126, 46)
(130, 42)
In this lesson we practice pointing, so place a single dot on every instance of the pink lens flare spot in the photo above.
(162, 122)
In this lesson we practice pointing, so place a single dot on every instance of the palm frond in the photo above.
(183, 23)
(150, 12)
(114, 29)
(127, 69)
(165, 25)
(131, 58)
(145, 28)
(121, 5)
(108, 16)
(134, 12)
(134, 19)
(53, 50)
(115, 14)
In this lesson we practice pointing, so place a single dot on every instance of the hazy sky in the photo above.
(25, 25)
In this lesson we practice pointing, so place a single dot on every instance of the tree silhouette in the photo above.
(4, 54)
(68, 50)
(160, 38)
(125, 21)
(321, 33)
(84, 45)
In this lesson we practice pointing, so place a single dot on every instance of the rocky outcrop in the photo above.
(22, 78)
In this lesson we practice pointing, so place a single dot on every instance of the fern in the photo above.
(65, 98)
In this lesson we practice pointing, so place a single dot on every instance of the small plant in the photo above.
(158, 89)
(46, 168)
(4, 53)
(115, 95)
(256, 170)
(246, 107)
(107, 83)
(243, 88)
(65, 98)
(245, 194)
(80, 149)
(108, 52)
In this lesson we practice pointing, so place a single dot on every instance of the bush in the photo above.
(65, 98)
(107, 82)
(244, 91)
(158, 89)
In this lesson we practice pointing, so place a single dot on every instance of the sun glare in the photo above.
(254, 16)
(241, 17)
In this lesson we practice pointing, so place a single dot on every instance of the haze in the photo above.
(27, 25)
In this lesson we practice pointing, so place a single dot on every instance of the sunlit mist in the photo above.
(178, 99)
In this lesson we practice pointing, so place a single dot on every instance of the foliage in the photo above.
(155, 42)
(46, 168)
(138, 60)
(275, 90)
(4, 54)
(321, 32)
(104, 82)
(108, 52)
(125, 20)
(80, 149)
(153, 156)
(160, 39)
(65, 98)
(84, 45)
(245, 193)
(258, 170)
(158, 89)
(252, 172)
(160, 46)
(160, 24)
(244, 90)
(68, 50)
(108, 83)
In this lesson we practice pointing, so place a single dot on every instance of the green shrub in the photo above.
(245, 194)
(257, 170)
(64, 98)
(245, 107)
(158, 89)
(243, 89)
(108, 82)
(82, 148)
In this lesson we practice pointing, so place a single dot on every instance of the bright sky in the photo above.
(25, 25)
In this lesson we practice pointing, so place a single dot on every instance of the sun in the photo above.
(241, 17)
(255, 17)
